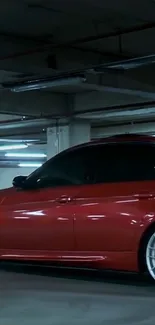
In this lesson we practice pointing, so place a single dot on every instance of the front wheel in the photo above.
(150, 254)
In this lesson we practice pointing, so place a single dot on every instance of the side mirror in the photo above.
(18, 182)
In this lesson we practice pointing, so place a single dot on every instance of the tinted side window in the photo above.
(66, 169)
(123, 163)
(109, 163)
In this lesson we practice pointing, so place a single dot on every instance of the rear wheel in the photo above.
(150, 254)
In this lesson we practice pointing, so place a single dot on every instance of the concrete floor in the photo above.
(43, 296)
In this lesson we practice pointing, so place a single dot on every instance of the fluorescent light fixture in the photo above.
(13, 147)
(48, 84)
(25, 155)
(30, 164)
(18, 140)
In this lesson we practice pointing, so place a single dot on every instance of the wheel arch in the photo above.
(142, 244)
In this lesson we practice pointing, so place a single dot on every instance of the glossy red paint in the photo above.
(87, 225)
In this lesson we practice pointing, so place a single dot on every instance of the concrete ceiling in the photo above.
(41, 39)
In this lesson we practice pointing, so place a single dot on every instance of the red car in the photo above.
(90, 206)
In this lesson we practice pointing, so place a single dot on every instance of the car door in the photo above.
(110, 209)
(39, 219)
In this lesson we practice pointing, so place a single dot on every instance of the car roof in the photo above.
(131, 137)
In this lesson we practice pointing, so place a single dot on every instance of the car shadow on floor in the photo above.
(109, 277)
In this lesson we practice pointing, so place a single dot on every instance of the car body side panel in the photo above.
(108, 222)
(126, 261)
(110, 217)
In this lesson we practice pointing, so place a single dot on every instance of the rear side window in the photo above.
(114, 163)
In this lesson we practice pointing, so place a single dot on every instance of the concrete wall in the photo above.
(33, 103)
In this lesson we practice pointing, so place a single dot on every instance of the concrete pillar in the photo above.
(60, 137)
(79, 133)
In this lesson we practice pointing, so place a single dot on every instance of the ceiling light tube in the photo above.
(17, 140)
(30, 165)
(48, 84)
(25, 155)
(13, 147)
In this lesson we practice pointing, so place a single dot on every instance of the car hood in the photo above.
(5, 193)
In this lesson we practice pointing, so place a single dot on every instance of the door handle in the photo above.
(64, 199)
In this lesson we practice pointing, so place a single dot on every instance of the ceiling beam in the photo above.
(34, 103)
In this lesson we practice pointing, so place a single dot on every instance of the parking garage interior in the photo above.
(72, 72)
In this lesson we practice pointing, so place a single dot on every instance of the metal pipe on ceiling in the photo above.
(121, 123)
(143, 128)
(128, 63)
(132, 106)
(77, 80)
(38, 122)
(116, 66)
